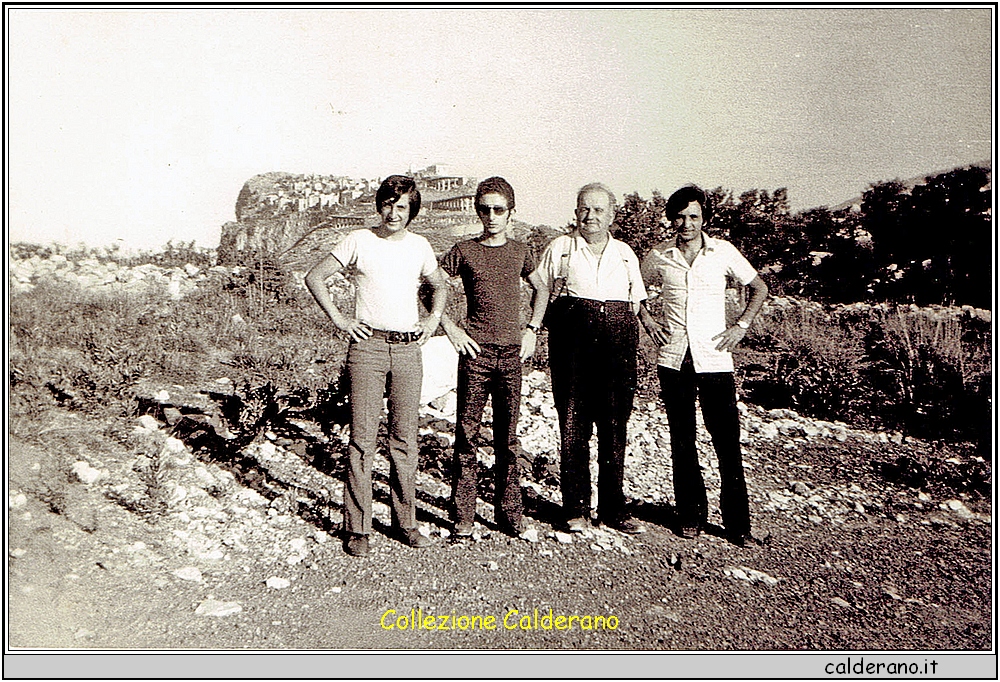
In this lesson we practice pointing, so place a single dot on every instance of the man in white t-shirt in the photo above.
(696, 358)
(386, 333)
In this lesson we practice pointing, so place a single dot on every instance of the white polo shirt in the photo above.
(388, 276)
(694, 300)
(612, 276)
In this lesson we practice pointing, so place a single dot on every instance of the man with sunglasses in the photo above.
(491, 348)
(386, 333)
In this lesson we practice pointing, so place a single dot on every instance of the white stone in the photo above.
(86, 473)
(18, 553)
(161, 396)
(190, 573)
(177, 493)
(148, 422)
(277, 583)
(960, 509)
(17, 500)
(213, 607)
(492, 565)
(564, 538)
(174, 446)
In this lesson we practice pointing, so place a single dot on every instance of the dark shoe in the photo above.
(627, 525)
(577, 525)
(512, 529)
(690, 532)
(464, 530)
(356, 545)
(411, 537)
(748, 540)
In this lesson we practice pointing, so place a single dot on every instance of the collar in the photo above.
(580, 243)
(707, 244)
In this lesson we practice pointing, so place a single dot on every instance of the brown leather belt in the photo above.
(396, 337)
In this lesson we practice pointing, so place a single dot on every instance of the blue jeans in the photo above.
(495, 371)
(373, 366)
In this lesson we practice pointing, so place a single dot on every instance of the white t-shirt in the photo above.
(612, 276)
(388, 276)
(694, 301)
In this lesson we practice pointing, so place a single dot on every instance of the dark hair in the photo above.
(496, 185)
(395, 186)
(687, 194)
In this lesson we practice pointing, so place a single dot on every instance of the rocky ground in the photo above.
(151, 533)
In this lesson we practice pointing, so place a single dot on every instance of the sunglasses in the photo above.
(485, 210)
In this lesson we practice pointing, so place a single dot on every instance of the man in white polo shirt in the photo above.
(593, 338)
(696, 357)
(386, 333)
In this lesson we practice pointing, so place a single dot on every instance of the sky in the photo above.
(139, 126)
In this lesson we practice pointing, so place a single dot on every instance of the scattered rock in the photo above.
(960, 509)
(190, 573)
(16, 500)
(531, 535)
(86, 473)
(18, 553)
(276, 583)
(799, 488)
(148, 423)
(564, 538)
(213, 607)
(750, 575)
(842, 602)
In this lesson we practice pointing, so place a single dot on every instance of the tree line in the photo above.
(929, 244)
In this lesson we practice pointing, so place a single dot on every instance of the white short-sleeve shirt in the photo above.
(388, 276)
(694, 301)
(612, 276)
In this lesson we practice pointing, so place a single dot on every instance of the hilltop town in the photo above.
(341, 201)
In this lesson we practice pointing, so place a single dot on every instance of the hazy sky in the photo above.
(143, 125)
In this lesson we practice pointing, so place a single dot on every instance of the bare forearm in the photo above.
(449, 325)
(317, 287)
(439, 299)
(758, 294)
(538, 305)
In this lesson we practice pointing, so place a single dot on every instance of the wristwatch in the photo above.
(533, 328)
(742, 324)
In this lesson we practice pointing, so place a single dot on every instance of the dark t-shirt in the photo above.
(492, 278)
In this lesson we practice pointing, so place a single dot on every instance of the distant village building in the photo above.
(464, 202)
(445, 183)
(345, 221)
